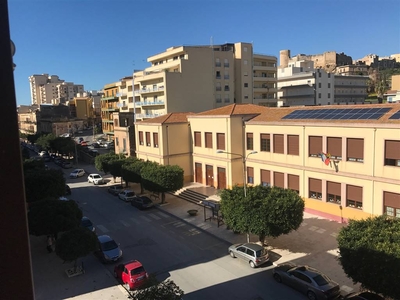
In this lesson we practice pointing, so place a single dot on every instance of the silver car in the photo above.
(127, 195)
(252, 253)
(108, 250)
(307, 280)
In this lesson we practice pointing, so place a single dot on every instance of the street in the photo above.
(196, 261)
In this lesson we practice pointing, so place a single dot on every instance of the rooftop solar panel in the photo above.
(395, 116)
(341, 114)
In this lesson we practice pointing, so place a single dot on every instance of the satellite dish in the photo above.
(12, 48)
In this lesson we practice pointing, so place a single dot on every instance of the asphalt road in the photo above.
(169, 248)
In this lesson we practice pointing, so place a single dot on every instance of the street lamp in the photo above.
(244, 159)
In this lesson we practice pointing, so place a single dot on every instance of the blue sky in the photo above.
(96, 42)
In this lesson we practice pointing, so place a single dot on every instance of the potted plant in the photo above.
(192, 212)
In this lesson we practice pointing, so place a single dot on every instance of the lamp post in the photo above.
(244, 159)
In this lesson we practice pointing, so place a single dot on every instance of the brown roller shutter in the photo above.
(249, 141)
(250, 172)
(264, 136)
(354, 193)
(293, 144)
(315, 185)
(293, 182)
(221, 141)
(335, 146)
(148, 142)
(155, 139)
(266, 176)
(391, 199)
(141, 137)
(197, 139)
(392, 149)
(314, 145)
(208, 136)
(278, 143)
(279, 179)
(333, 188)
(355, 148)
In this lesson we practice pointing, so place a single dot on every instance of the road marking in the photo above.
(145, 218)
(334, 234)
(114, 225)
(320, 230)
(313, 228)
(134, 220)
(162, 214)
(179, 224)
(346, 288)
(125, 223)
(154, 216)
(102, 228)
(192, 231)
(334, 252)
(204, 225)
(189, 220)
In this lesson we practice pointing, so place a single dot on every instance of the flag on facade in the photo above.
(325, 158)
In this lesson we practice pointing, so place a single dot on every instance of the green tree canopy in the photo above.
(101, 161)
(162, 179)
(370, 253)
(63, 145)
(166, 290)
(131, 171)
(32, 138)
(41, 183)
(76, 243)
(115, 167)
(265, 211)
(45, 141)
(50, 216)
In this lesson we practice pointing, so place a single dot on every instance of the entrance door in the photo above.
(210, 175)
(221, 178)
(198, 172)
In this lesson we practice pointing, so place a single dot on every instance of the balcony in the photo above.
(148, 116)
(121, 94)
(109, 107)
(150, 90)
(150, 103)
(111, 98)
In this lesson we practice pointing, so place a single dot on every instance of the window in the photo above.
(315, 188)
(391, 203)
(226, 74)
(278, 143)
(354, 195)
(148, 142)
(116, 141)
(244, 49)
(218, 74)
(265, 178)
(249, 141)
(392, 153)
(329, 85)
(218, 98)
(197, 139)
(301, 276)
(265, 143)
(141, 137)
(333, 192)
(116, 122)
(314, 145)
(208, 139)
(245, 62)
(279, 179)
(250, 175)
(227, 99)
(218, 86)
(293, 145)
(246, 85)
(319, 85)
(124, 144)
(334, 145)
(221, 141)
(226, 63)
(294, 182)
(329, 95)
(155, 139)
(226, 88)
(355, 150)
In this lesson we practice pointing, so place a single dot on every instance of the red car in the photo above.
(132, 274)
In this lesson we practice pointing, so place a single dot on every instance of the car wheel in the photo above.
(252, 264)
(232, 254)
(311, 295)
(277, 278)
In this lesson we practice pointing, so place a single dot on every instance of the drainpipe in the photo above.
(373, 174)
(304, 160)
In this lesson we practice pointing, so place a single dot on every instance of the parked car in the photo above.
(307, 280)
(108, 250)
(95, 179)
(67, 190)
(132, 274)
(46, 157)
(109, 145)
(364, 296)
(66, 164)
(41, 153)
(126, 195)
(80, 140)
(93, 153)
(85, 222)
(142, 202)
(77, 173)
(96, 145)
(254, 254)
(115, 189)
(84, 144)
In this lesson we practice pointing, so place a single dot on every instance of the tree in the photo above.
(25, 153)
(115, 167)
(161, 179)
(166, 290)
(41, 183)
(32, 138)
(265, 211)
(372, 246)
(44, 141)
(76, 243)
(32, 164)
(101, 161)
(131, 171)
(50, 216)
(63, 145)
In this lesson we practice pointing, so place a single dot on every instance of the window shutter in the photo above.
(392, 149)
(355, 148)
(315, 185)
(335, 146)
(314, 145)
(293, 182)
(293, 144)
(279, 179)
(333, 188)
(278, 143)
(354, 193)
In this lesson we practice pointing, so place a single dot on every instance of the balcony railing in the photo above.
(149, 90)
(148, 103)
(148, 116)
(109, 98)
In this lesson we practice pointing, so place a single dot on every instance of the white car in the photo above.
(127, 195)
(95, 179)
(41, 153)
(77, 173)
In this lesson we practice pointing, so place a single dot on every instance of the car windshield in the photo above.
(261, 252)
(86, 223)
(110, 245)
(321, 280)
(137, 271)
(75, 171)
(96, 176)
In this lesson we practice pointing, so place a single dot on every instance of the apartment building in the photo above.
(50, 89)
(124, 133)
(108, 105)
(343, 160)
(27, 118)
(81, 107)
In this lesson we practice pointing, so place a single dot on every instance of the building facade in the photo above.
(109, 105)
(124, 133)
(343, 160)
(27, 118)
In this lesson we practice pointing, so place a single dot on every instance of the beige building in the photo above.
(124, 133)
(81, 108)
(343, 160)
(27, 119)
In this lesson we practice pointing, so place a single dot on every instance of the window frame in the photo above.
(155, 139)
(141, 140)
(265, 140)
(249, 141)
(208, 140)
(197, 139)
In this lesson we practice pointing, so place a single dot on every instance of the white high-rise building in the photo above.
(51, 89)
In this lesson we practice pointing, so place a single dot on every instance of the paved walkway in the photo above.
(314, 243)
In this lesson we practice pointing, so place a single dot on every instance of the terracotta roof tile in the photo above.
(179, 117)
(233, 109)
